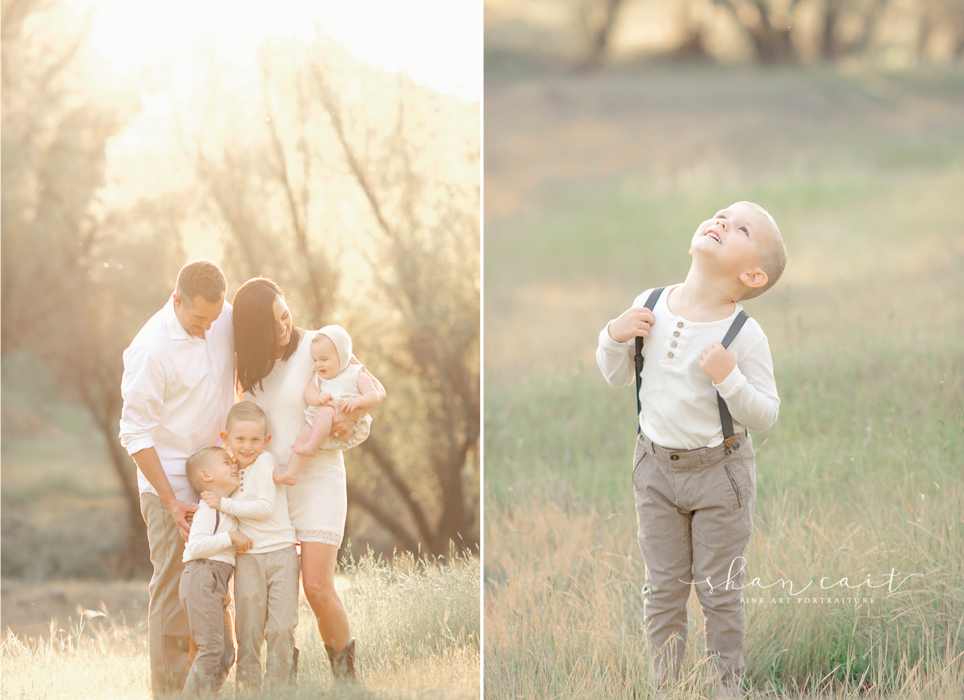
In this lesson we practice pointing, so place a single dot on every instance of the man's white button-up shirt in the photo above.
(177, 391)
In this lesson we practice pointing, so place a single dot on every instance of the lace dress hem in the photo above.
(322, 536)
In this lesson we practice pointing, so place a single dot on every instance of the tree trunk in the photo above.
(601, 34)
(135, 557)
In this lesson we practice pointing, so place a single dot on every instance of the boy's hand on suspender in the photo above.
(631, 324)
(717, 362)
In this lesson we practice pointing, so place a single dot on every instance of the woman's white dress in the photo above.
(318, 503)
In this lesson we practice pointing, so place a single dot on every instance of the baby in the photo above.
(335, 384)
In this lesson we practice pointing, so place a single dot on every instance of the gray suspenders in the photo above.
(728, 438)
(725, 419)
(638, 359)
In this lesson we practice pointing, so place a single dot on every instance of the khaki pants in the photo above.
(169, 636)
(204, 596)
(266, 608)
(695, 515)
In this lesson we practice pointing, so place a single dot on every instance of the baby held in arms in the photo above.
(335, 384)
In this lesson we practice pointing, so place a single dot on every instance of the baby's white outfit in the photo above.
(344, 385)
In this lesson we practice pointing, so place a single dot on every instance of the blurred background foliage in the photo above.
(593, 33)
(355, 189)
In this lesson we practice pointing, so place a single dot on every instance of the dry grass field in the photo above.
(417, 627)
(594, 185)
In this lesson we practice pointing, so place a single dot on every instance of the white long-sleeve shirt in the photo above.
(261, 507)
(679, 405)
(177, 391)
(210, 538)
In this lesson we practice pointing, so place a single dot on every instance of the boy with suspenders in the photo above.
(209, 557)
(703, 376)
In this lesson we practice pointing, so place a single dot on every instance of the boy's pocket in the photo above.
(638, 456)
(734, 485)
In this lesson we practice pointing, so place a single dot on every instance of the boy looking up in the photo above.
(266, 577)
(695, 486)
(208, 565)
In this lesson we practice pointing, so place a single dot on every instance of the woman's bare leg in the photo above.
(318, 563)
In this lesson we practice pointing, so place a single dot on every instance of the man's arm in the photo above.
(150, 465)
(142, 388)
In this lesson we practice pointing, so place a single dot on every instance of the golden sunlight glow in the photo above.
(437, 42)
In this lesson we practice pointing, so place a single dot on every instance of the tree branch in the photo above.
(387, 466)
(359, 498)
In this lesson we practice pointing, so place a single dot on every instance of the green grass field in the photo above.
(862, 475)
(417, 626)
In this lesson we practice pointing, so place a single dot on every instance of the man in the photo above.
(178, 386)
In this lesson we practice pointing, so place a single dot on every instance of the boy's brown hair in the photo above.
(195, 463)
(773, 253)
(245, 411)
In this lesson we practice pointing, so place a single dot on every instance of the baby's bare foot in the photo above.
(306, 450)
(286, 478)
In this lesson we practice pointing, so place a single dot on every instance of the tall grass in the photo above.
(861, 477)
(416, 624)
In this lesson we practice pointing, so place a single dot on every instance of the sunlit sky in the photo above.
(437, 42)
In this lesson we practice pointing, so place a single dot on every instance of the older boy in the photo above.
(208, 565)
(695, 484)
(266, 577)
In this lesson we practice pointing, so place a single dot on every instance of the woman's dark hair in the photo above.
(255, 336)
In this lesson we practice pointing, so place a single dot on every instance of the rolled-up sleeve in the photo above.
(142, 389)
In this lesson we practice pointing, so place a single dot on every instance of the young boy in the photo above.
(208, 565)
(695, 493)
(266, 577)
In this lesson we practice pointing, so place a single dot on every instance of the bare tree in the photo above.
(867, 14)
(345, 158)
(70, 287)
(770, 27)
(941, 17)
(771, 39)
(598, 19)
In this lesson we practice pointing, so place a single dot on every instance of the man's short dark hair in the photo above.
(201, 278)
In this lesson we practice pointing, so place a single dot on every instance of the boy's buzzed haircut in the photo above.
(245, 411)
(201, 278)
(773, 253)
(196, 463)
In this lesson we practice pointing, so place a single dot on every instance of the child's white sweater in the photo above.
(679, 405)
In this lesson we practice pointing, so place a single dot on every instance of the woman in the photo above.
(274, 367)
